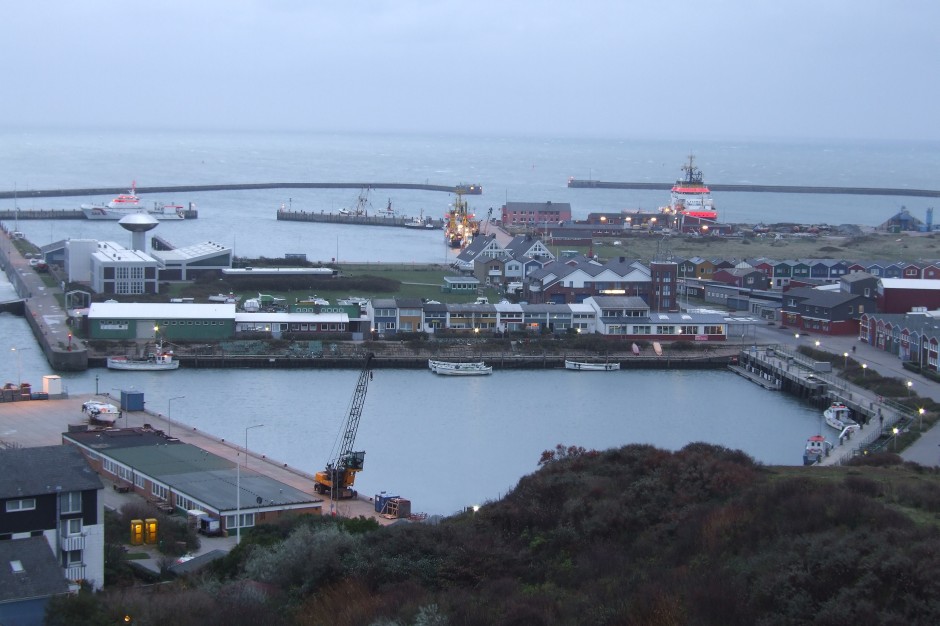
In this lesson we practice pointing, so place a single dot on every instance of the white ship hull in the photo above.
(591, 367)
(101, 212)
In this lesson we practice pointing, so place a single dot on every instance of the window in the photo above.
(139, 480)
(159, 490)
(247, 520)
(73, 526)
(23, 504)
(72, 557)
(70, 502)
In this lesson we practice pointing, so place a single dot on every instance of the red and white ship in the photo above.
(128, 203)
(690, 196)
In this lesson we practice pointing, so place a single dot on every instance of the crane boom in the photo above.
(340, 473)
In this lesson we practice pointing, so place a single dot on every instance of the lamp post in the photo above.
(845, 360)
(864, 369)
(920, 412)
(817, 344)
(238, 488)
(169, 414)
(910, 384)
(895, 431)
(19, 369)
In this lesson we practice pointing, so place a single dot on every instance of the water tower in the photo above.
(139, 224)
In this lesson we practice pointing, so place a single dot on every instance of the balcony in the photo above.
(72, 542)
(75, 571)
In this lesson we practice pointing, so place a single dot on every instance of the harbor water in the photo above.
(446, 442)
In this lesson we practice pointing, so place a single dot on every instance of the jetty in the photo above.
(104, 191)
(575, 183)
(775, 367)
(399, 221)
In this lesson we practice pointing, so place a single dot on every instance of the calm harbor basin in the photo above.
(446, 443)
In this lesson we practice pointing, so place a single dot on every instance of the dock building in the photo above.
(181, 477)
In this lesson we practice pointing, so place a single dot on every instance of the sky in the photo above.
(668, 69)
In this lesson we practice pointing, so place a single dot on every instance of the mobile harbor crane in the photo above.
(340, 473)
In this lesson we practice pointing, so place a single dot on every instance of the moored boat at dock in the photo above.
(839, 416)
(128, 203)
(159, 360)
(460, 227)
(447, 368)
(816, 448)
(584, 366)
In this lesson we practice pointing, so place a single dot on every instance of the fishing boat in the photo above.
(816, 448)
(128, 203)
(839, 416)
(583, 366)
(160, 359)
(690, 196)
(447, 368)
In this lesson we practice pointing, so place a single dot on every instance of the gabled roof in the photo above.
(827, 298)
(29, 472)
(476, 247)
(38, 575)
(854, 277)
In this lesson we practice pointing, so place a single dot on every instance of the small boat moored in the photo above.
(816, 448)
(446, 368)
(658, 349)
(583, 366)
(839, 416)
(158, 360)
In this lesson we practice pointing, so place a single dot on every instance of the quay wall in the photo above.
(498, 361)
(860, 191)
(104, 191)
(62, 355)
(63, 214)
(364, 220)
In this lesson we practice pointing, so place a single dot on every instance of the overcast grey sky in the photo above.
(646, 68)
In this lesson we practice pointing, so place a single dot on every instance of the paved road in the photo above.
(926, 450)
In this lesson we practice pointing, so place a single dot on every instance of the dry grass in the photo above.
(890, 247)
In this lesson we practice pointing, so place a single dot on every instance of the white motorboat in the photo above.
(447, 368)
(839, 416)
(158, 360)
(582, 366)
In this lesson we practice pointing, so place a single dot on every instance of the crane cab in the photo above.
(338, 481)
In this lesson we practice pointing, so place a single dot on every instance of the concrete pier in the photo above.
(859, 191)
(794, 373)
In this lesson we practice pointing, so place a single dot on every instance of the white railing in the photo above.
(72, 542)
(76, 571)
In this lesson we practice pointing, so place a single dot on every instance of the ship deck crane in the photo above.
(340, 474)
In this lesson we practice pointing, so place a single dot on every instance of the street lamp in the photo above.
(920, 412)
(895, 432)
(19, 369)
(864, 369)
(817, 344)
(238, 488)
(845, 360)
(910, 384)
(169, 414)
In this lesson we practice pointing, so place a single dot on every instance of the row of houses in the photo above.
(615, 316)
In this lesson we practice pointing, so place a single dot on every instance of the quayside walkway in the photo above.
(779, 368)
